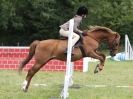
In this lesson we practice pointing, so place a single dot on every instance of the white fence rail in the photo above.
(128, 49)
(127, 54)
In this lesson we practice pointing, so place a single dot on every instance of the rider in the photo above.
(64, 29)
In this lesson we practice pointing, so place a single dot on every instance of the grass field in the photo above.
(114, 74)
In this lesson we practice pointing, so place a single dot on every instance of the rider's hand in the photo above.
(84, 33)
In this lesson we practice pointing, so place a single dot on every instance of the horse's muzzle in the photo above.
(112, 54)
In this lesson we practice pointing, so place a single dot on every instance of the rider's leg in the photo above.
(75, 37)
(64, 33)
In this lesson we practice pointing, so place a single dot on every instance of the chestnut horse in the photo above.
(44, 51)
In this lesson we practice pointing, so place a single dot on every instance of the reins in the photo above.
(92, 38)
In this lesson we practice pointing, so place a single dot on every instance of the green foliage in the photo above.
(26, 20)
(115, 14)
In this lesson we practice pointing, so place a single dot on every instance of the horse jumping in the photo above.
(46, 50)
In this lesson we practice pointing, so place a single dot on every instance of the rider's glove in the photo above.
(84, 33)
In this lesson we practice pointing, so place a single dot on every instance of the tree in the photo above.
(27, 20)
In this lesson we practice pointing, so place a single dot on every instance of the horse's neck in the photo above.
(100, 36)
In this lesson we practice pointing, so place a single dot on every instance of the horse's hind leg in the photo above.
(31, 72)
(23, 63)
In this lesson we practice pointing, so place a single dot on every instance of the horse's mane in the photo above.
(96, 28)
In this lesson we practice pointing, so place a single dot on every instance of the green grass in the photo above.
(114, 73)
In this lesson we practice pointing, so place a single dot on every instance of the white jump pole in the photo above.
(65, 93)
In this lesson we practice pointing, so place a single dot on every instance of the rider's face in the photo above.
(84, 16)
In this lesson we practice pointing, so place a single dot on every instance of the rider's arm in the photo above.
(78, 31)
(77, 21)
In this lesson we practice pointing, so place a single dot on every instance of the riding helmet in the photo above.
(82, 11)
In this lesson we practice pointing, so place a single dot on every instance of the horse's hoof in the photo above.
(100, 69)
(24, 90)
(96, 69)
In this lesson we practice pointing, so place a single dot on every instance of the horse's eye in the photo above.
(116, 44)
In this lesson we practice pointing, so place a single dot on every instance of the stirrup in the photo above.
(71, 53)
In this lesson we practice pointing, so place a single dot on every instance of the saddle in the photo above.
(79, 43)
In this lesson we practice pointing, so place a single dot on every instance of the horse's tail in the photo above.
(30, 55)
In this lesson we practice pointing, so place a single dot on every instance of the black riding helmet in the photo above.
(82, 11)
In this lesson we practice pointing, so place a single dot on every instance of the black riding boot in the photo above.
(66, 51)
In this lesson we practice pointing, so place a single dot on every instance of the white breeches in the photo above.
(65, 34)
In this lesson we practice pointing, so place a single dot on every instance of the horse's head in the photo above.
(114, 44)
(105, 34)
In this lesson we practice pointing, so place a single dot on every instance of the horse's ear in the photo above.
(118, 36)
(90, 27)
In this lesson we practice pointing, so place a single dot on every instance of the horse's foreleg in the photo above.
(29, 76)
(103, 61)
(100, 57)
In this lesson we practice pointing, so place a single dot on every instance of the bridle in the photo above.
(112, 48)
